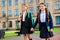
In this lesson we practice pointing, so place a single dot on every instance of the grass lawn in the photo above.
(12, 33)
(55, 30)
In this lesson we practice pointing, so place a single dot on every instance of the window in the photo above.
(23, 1)
(4, 24)
(37, 8)
(31, 9)
(3, 3)
(9, 12)
(30, 0)
(47, 5)
(57, 5)
(17, 25)
(16, 2)
(4, 13)
(37, 0)
(57, 19)
(10, 23)
(16, 12)
(9, 2)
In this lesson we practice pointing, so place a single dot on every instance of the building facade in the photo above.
(11, 9)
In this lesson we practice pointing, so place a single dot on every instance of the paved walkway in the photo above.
(35, 37)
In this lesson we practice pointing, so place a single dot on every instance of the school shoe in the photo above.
(30, 39)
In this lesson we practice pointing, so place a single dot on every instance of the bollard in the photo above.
(2, 33)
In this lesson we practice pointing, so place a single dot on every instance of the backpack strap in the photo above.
(29, 14)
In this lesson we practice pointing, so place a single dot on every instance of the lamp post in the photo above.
(7, 15)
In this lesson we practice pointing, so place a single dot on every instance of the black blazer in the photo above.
(48, 24)
(28, 21)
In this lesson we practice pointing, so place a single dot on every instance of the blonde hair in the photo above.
(25, 6)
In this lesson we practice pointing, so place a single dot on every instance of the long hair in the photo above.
(26, 9)
(47, 14)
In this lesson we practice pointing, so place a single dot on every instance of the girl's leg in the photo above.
(29, 37)
(25, 37)
(46, 38)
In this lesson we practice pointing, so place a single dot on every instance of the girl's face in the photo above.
(24, 8)
(42, 7)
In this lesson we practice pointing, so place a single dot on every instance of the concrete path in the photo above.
(34, 36)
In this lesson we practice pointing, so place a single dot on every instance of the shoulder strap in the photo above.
(29, 14)
(32, 20)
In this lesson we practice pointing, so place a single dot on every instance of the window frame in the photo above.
(3, 3)
(9, 12)
(57, 5)
(23, 1)
(9, 2)
(16, 10)
(10, 23)
(31, 9)
(4, 13)
(30, 1)
(4, 24)
(58, 20)
(16, 2)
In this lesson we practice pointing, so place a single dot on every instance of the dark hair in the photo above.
(47, 13)
(42, 4)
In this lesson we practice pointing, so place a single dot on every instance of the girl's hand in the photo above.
(19, 18)
(32, 29)
(51, 30)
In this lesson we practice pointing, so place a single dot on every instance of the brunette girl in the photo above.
(45, 22)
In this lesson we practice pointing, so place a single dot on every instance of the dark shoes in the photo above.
(30, 39)
(18, 33)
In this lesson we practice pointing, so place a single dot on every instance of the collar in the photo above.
(43, 11)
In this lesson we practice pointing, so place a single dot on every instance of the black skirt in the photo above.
(44, 33)
(24, 29)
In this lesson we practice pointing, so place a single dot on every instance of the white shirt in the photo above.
(23, 19)
(43, 16)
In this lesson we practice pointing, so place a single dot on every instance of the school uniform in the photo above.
(26, 23)
(44, 24)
